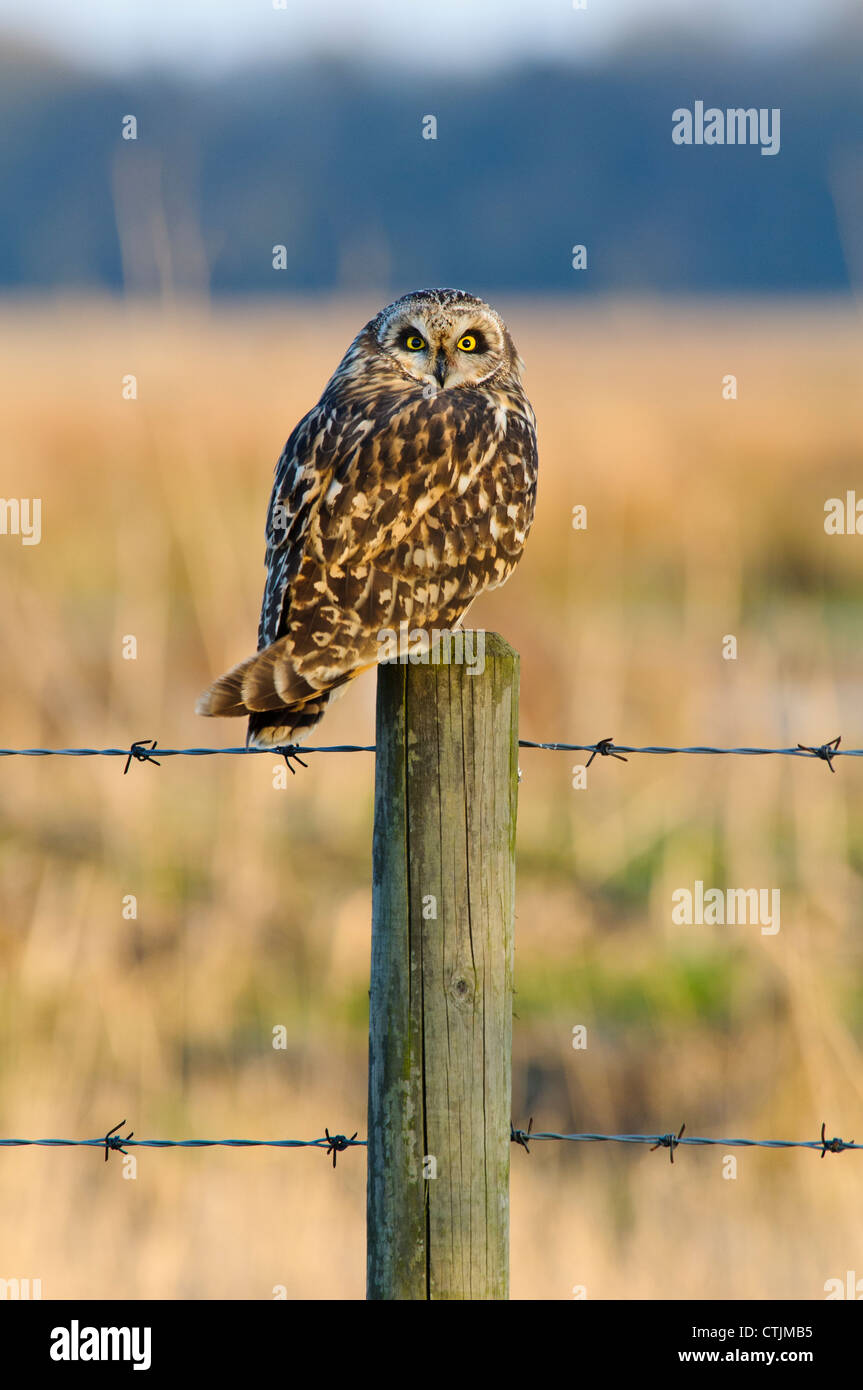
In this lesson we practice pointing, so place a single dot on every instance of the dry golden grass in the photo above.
(705, 518)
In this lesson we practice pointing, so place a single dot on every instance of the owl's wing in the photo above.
(321, 442)
(387, 510)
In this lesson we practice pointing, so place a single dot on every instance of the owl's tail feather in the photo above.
(282, 706)
(265, 681)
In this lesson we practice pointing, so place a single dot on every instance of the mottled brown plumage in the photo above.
(407, 490)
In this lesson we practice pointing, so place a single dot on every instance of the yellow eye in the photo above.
(467, 343)
(414, 343)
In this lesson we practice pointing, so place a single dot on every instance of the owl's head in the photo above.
(447, 339)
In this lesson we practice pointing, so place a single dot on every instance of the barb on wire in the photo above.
(834, 1146)
(337, 1143)
(113, 1140)
(291, 754)
(670, 1142)
(142, 752)
(605, 748)
(521, 1136)
(827, 751)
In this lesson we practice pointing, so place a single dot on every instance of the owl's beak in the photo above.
(441, 368)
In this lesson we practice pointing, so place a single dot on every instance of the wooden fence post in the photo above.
(440, 1037)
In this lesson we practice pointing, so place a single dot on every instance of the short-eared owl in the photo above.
(407, 490)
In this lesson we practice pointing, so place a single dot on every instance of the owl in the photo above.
(403, 494)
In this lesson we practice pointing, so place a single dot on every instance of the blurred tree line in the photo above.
(329, 160)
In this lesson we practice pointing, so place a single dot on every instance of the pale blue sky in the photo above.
(208, 34)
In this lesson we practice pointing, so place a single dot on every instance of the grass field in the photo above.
(705, 518)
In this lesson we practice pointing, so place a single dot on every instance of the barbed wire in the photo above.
(114, 1142)
(145, 750)
(607, 748)
(524, 1137)
(148, 751)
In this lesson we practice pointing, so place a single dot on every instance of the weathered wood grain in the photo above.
(441, 979)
